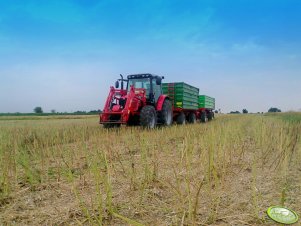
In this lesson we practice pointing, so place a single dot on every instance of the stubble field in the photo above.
(69, 170)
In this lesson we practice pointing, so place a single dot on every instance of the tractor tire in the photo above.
(210, 117)
(133, 120)
(148, 117)
(181, 119)
(111, 125)
(203, 117)
(191, 118)
(165, 116)
(107, 126)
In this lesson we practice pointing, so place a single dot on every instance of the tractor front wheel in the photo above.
(165, 116)
(111, 125)
(107, 126)
(148, 117)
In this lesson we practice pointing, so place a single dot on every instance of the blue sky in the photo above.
(64, 55)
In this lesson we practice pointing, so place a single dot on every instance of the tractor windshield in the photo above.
(140, 83)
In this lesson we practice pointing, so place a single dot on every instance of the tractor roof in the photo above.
(146, 75)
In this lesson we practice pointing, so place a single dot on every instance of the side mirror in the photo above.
(159, 81)
(117, 84)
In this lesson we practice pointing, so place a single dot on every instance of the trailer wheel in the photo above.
(148, 117)
(210, 116)
(165, 116)
(203, 116)
(181, 119)
(191, 118)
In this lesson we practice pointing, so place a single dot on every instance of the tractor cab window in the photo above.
(140, 83)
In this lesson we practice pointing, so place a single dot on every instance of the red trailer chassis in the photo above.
(202, 114)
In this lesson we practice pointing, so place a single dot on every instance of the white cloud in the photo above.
(249, 46)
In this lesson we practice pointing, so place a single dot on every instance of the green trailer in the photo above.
(182, 95)
(206, 102)
(187, 104)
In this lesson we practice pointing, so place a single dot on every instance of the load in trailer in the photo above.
(141, 101)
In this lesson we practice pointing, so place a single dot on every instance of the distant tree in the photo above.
(38, 110)
(53, 111)
(273, 109)
(245, 111)
(234, 112)
(95, 111)
(216, 111)
(79, 112)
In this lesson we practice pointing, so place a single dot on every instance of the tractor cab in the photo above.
(150, 83)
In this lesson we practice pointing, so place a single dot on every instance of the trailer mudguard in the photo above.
(160, 102)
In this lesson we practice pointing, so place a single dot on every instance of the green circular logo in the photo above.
(282, 215)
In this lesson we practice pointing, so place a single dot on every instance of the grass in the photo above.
(42, 117)
(226, 172)
(293, 117)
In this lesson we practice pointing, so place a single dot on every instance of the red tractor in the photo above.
(140, 103)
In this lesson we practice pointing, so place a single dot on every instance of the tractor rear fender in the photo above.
(160, 102)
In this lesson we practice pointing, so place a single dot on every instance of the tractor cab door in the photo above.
(157, 90)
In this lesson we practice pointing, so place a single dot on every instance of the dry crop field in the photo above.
(70, 171)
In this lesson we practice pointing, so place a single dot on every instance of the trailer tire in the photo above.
(210, 116)
(181, 119)
(148, 117)
(203, 117)
(191, 118)
(165, 116)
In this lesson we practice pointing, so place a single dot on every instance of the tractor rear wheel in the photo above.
(181, 119)
(148, 117)
(191, 118)
(165, 116)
